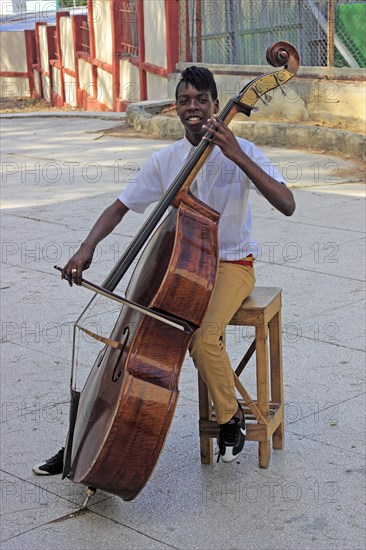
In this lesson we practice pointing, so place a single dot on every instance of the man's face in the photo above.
(194, 108)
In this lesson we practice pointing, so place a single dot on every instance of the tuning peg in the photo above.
(280, 85)
(258, 94)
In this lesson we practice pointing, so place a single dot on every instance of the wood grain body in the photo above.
(128, 401)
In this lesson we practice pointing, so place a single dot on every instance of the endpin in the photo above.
(90, 492)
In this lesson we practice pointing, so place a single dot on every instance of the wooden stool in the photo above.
(265, 415)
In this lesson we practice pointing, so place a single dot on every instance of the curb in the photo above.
(144, 117)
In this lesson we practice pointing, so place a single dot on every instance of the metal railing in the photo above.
(325, 32)
(85, 36)
(128, 21)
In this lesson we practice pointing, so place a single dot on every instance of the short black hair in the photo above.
(199, 78)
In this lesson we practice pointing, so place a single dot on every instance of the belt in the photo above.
(248, 260)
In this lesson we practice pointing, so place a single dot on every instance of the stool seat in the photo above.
(259, 307)
(264, 414)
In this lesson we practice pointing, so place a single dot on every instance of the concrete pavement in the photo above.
(58, 173)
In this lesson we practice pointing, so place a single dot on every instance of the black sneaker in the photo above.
(231, 439)
(52, 466)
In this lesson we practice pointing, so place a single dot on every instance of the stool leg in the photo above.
(264, 447)
(206, 443)
(264, 454)
(275, 335)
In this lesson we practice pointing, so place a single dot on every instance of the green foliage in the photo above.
(350, 28)
(71, 3)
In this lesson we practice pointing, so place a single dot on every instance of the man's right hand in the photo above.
(83, 257)
(80, 261)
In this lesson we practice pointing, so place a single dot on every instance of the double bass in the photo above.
(120, 419)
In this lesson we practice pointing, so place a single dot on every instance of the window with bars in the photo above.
(127, 20)
(85, 37)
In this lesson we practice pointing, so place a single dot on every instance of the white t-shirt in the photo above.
(220, 183)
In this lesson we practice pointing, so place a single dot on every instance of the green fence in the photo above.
(350, 27)
(325, 32)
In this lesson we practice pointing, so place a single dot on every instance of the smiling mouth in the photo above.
(194, 119)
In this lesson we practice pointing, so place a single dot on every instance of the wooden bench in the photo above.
(265, 414)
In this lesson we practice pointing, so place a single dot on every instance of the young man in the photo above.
(233, 168)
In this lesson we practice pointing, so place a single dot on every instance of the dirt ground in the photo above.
(28, 105)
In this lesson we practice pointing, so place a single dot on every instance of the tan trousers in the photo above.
(207, 349)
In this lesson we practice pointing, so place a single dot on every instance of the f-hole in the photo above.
(126, 334)
(100, 357)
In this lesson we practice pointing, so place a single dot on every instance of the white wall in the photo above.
(13, 52)
(155, 32)
(102, 30)
(56, 81)
(70, 90)
(85, 76)
(156, 87)
(14, 88)
(13, 59)
(67, 45)
(129, 81)
(105, 88)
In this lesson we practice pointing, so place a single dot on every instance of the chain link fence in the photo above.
(325, 32)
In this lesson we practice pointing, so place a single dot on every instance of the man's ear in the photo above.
(216, 106)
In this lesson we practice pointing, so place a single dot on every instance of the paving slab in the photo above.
(26, 507)
(311, 496)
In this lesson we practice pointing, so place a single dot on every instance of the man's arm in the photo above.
(275, 192)
(104, 225)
